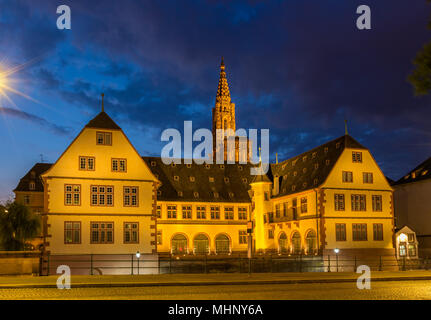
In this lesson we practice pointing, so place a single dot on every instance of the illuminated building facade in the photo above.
(101, 196)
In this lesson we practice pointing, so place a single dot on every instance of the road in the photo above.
(379, 290)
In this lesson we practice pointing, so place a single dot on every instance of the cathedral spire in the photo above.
(223, 93)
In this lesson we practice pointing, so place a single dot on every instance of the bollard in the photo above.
(132, 264)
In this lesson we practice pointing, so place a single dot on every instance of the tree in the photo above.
(420, 78)
(17, 225)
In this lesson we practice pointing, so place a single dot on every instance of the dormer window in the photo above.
(104, 138)
(216, 195)
(226, 179)
(196, 194)
(119, 165)
(244, 180)
(211, 179)
(314, 155)
(207, 166)
(315, 181)
(327, 162)
(188, 165)
(173, 164)
(304, 170)
(326, 150)
(240, 168)
(222, 166)
(192, 179)
(176, 178)
(231, 195)
(304, 158)
(180, 193)
(337, 145)
(153, 163)
(32, 185)
(316, 166)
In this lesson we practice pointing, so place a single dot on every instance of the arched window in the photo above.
(225, 124)
(310, 241)
(201, 244)
(282, 243)
(296, 243)
(179, 244)
(222, 244)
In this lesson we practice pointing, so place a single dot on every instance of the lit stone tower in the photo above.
(224, 117)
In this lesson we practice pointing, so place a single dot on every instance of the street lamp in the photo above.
(138, 255)
(336, 250)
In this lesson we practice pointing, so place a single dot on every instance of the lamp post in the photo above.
(138, 255)
(336, 250)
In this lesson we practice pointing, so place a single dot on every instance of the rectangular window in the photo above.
(359, 202)
(294, 209)
(356, 157)
(102, 196)
(131, 232)
(359, 231)
(377, 203)
(340, 232)
(285, 208)
(277, 210)
(378, 231)
(242, 213)
(339, 202)
(86, 163)
(201, 212)
(172, 212)
(228, 213)
(26, 199)
(159, 212)
(304, 207)
(215, 212)
(102, 232)
(119, 165)
(72, 194)
(347, 176)
(270, 234)
(104, 138)
(159, 237)
(367, 177)
(242, 237)
(72, 232)
(130, 196)
(187, 212)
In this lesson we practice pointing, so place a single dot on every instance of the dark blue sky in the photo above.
(296, 67)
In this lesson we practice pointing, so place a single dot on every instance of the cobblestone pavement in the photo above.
(379, 290)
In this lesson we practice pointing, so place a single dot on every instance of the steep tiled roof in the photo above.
(192, 182)
(102, 121)
(310, 169)
(421, 172)
(33, 175)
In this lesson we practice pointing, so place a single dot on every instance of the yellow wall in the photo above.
(66, 171)
(192, 227)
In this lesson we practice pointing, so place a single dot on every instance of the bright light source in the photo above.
(138, 255)
(336, 250)
(402, 237)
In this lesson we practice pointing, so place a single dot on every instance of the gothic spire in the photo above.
(223, 87)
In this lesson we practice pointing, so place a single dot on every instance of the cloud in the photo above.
(36, 120)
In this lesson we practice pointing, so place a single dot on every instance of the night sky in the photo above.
(296, 67)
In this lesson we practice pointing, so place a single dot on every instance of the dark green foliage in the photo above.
(420, 78)
(17, 225)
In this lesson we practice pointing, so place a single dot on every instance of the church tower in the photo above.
(224, 118)
(224, 110)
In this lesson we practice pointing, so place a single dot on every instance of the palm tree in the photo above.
(17, 225)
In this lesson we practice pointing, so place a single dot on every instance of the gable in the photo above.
(85, 145)
(368, 165)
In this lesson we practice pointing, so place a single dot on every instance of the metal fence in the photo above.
(92, 264)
